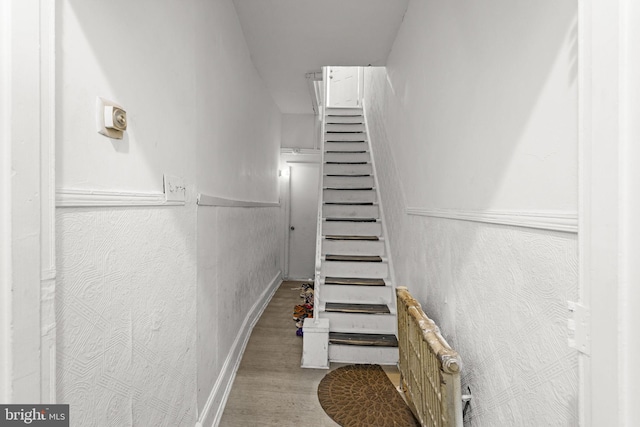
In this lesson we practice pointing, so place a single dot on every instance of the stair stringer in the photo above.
(383, 220)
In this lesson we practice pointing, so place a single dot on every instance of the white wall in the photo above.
(144, 325)
(143, 58)
(299, 131)
(238, 125)
(485, 95)
(475, 112)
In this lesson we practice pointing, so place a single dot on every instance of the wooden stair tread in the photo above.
(346, 189)
(344, 140)
(346, 163)
(337, 174)
(353, 258)
(351, 281)
(378, 340)
(338, 307)
(349, 203)
(352, 219)
(338, 237)
(346, 152)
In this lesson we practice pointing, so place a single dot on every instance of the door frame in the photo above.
(27, 211)
(292, 164)
(609, 209)
(290, 156)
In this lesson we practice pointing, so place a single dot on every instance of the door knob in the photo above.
(292, 228)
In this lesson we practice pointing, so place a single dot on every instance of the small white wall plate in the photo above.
(101, 104)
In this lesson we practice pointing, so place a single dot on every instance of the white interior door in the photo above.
(303, 193)
(343, 87)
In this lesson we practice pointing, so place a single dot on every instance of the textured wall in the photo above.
(499, 293)
(126, 313)
(238, 255)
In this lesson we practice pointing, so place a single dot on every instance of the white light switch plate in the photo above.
(174, 189)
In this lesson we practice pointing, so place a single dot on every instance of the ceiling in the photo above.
(289, 38)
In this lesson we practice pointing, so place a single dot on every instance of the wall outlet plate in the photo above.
(174, 188)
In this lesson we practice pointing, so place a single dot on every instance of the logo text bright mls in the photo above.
(38, 415)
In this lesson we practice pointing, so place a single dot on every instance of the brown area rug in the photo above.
(363, 395)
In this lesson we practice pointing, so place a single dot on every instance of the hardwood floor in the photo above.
(270, 388)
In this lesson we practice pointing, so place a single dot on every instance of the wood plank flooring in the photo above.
(270, 388)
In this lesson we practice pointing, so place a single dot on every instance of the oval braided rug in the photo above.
(363, 395)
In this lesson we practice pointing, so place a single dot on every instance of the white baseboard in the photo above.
(213, 408)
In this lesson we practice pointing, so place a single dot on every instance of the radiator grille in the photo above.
(429, 368)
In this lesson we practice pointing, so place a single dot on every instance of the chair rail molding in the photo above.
(213, 201)
(565, 221)
(72, 198)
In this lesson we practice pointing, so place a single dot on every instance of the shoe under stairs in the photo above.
(356, 293)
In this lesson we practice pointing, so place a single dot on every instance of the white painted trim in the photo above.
(542, 220)
(214, 407)
(304, 155)
(5, 204)
(385, 231)
(71, 198)
(48, 325)
(584, 196)
(48, 137)
(301, 151)
(285, 211)
(22, 121)
(629, 295)
(206, 200)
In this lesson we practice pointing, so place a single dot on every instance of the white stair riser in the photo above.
(355, 196)
(347, 182)
(339, 211)
(347, 157)
(361, 323)
(357, 294)
(345, 119)
(346, 146)
(363, 270)
(348, 169)
(346, 228)
(343, 112)
(328, 137)
(363, 354)
(349, 211)
(348, 127)
(352, 247)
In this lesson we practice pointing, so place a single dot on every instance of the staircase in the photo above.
(353, 286)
